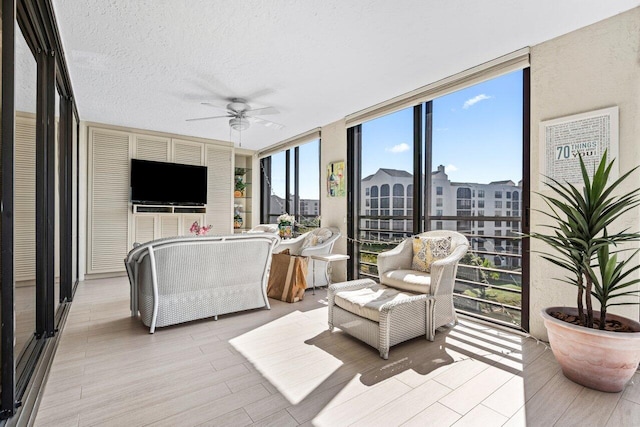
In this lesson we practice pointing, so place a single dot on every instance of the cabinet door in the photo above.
(187, 152)
(144, 228)
(108, 200)
(219, 189)
(169, 225)
(151, 148)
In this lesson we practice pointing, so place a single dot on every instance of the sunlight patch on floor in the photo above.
(280, 352)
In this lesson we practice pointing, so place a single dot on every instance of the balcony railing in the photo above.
(489, 279)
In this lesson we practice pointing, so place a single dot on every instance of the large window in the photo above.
(386, 168)
(471, 142)
(291, 183)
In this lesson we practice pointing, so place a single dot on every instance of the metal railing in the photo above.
(489, 279)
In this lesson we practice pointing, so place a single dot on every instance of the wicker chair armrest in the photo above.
(443, 271)
(398, 258)
(316, 250)
(293, 245)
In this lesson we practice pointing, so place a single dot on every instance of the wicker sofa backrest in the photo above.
(187, 278)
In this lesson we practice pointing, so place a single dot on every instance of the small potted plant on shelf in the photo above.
(239, 189)
(240, 184)
(596, 349)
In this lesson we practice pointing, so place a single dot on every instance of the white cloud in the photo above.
(451, 168)
(469, 102)
(398, 148)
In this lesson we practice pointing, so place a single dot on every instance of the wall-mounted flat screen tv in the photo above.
(159, 183)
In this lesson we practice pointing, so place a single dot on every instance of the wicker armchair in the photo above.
(297, 246)
(394, 270)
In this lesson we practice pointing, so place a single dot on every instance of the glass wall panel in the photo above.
(74, 195)
(24, 193)
(293, 199)
(304, 160)
(477, 185)
(56, 223)
(386, 185)
(309, 185)
(278, 179)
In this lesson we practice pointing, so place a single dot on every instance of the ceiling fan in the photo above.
(241, 115)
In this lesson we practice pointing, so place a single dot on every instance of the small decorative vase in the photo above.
(286, 231)
(237, 222)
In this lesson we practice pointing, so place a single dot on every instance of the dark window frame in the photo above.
(422, 156)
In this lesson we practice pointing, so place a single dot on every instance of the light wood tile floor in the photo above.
(281, 367)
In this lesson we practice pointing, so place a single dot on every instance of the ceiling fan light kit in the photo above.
(239, 123)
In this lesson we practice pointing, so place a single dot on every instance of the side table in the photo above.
(328, 258)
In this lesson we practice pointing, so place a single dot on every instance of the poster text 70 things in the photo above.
(564, 140)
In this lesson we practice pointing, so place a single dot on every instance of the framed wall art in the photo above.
(336, 179)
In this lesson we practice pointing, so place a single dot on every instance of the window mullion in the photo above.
(428, 144)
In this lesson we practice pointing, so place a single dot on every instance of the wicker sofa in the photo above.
(179, 279)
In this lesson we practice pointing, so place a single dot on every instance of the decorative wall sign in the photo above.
(336, 179)
(563, 139)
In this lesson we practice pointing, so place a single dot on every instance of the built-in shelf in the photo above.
(243, 192)
(168, 209)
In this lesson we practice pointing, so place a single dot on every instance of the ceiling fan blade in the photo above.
(266, 123)
(207, 118)
(218, 107)
(262, 111)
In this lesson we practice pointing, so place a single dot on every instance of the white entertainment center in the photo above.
(115, 223)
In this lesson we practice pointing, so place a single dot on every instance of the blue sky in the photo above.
(477, 136)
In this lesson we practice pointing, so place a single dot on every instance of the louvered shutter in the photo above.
(145, 225)
(219, 189)
(169, 225)
(188, 153)
(151, 148)
(108, 200)
(25, 200)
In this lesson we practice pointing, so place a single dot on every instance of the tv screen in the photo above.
(160, 183)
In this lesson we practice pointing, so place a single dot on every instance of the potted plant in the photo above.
(239, 188)
(595, 349)
(285, 225)
(240, 184)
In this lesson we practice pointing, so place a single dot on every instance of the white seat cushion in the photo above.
(408, 280)
(368, 301)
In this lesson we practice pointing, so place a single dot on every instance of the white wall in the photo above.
(334, 209)
(594, 67)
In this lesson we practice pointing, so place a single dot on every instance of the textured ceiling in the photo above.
(150, 63)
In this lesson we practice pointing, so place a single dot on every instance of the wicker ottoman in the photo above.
(379, 315)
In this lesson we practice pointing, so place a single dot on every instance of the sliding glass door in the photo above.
(37, 182)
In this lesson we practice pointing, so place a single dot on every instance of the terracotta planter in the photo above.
(601, 360)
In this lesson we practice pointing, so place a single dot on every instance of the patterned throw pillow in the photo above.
(316, 237)
(309, 241)
(426, 250)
